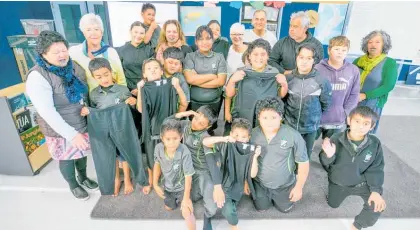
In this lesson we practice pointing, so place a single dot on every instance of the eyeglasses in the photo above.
(236, 35)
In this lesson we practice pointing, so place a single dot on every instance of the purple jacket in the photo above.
(345, 83)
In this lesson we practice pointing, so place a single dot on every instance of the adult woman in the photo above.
(93, 29)
(378, 72)
(171, 36)
(57, 89)
(237, 49)
(220, 44)
(205, 70)
(132, 55)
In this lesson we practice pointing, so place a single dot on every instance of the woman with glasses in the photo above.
(237, 49)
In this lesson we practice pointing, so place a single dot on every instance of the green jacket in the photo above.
(352, 165)
(389, 79)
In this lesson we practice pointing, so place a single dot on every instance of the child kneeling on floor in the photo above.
(229, 166)
(173, 159)
(355, 164)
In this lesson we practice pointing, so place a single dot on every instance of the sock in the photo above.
(81, 165)
(67, 170)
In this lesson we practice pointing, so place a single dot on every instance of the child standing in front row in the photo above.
(193, 133)
(355, 164)
(153, 72)
(108, 94)
(173, 159)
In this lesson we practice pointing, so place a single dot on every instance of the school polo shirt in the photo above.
(155, 36)
(277, 167)
(213, 63)
(132, 61)
(174, 169)
(101, 99)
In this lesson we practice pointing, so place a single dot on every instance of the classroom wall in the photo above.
(10, 15)
(230, 15)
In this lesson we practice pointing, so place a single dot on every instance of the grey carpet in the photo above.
(401, 193)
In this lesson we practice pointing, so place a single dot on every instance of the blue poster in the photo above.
(17, 102)
(331, 21)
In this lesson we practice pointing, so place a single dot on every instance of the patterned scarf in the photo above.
(75, 89)
(367, 64)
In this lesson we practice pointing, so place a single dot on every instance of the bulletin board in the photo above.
(122, 14)
(399, 19)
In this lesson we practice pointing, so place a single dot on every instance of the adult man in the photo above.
(259, 22)
(283, 54)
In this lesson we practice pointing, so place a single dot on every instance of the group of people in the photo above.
(152, 105)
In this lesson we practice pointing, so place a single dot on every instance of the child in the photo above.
(253, 83)
(193, 133)
(148, 13)
(345, 81)
(355, 164)
(173, 159)
(274, 176)
(108, 94)
(205, 70)
(172, 64)
(229, 167)
(156, 101)
(309, 95)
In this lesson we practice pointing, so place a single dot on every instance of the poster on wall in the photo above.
(331, 21)
(248, 13)
(17, 102)
(193, 17)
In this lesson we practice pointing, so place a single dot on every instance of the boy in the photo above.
(173, 159)
(355, 164)
(157, 99)
(345, 81)
(274, 176)
(229, 165)
(172, 64)
(148, 13)
(193, 133)
(309, 95)
(106, 95)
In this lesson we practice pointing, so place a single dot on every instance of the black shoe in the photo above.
(207, 223)
(88, 183)
(80, 193)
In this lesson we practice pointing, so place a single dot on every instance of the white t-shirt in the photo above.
(250, 36)
(234, 61)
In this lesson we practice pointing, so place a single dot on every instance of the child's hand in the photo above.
(379, 202)
(187, 204)
(295, 194)
(218, 196)
(328, 147)
(237, 76)
(229, 139)
(140, 84)
(175, 82)
(257, 152)
(134, 92)
(84, 112)
(247, 191)
(191, 113)
(131, 101)
(281, 79)
(228, 117)
(159, 191)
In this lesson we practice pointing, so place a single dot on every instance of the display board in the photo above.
(122, 14)
(398, 19)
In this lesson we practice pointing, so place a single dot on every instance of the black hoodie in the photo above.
(352, 165)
